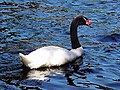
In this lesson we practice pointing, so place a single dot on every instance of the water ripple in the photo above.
(26, 25)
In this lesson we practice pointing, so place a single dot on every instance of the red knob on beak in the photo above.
(88, 22)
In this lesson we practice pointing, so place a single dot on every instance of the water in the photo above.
(26, 25)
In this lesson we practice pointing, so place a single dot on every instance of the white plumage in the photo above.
(54, 55)
(50, 56)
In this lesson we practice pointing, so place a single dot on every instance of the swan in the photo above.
(49, 56)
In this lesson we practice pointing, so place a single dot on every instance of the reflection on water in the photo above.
(40, 75)
(43, 74)
(26, 25)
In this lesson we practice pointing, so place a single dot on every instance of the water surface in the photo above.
(26, 25)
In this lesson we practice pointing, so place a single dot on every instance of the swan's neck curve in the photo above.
(73, 35)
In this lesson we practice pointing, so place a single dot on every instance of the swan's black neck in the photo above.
(73, 35)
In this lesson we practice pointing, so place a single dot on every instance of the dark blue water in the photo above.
(26, 25)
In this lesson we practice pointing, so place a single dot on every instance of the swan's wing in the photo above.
(51, 56)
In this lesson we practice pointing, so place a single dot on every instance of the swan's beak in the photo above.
(88, 23)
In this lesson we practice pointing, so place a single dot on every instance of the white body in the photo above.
(50, 56)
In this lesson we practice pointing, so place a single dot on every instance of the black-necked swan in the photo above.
(53, 55)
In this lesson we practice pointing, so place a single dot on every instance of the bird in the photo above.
(49, 56)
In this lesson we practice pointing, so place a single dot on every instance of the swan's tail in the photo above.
(24, 59)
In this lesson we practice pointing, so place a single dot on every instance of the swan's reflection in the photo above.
(45, 73)
(36, 74)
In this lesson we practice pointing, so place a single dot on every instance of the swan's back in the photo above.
(49, 56)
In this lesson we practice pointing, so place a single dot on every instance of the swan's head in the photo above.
(82, 20)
